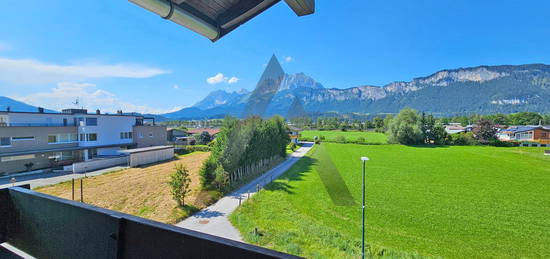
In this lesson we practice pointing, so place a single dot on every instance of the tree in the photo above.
(525, 118)
(204, 138)
(179, 184)
(221, 179)
(439, 135)
(485, 131)
(406, 128)
(378, 124)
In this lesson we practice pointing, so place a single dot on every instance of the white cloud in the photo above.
(175, 86)
(232, 80)
(288, 59)
(89, 96)
(28, 71)
(220, 78)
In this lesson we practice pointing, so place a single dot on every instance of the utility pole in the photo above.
(364, 159)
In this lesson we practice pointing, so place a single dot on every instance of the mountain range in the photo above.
(462, 91)
(482, 89)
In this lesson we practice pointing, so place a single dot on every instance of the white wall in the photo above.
(108, 130)
(98, 164)
(109, 151)
(143, 158)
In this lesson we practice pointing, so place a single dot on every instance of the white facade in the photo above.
(107, 130)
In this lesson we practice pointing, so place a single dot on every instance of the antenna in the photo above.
(76, 102)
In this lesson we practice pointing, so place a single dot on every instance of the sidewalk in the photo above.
(37, 180)
(214, 220)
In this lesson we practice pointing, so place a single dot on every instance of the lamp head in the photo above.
(364, 158)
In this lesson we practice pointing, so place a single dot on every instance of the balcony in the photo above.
(37, 125)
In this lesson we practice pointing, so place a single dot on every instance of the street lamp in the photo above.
(364, 159)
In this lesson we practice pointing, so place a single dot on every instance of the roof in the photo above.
(216, 18)
(67, 114)
(292, 128)
(144, 149)
(212, 132)
(525, 128)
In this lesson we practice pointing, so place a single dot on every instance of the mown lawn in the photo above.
(452, 202)
(370, 137)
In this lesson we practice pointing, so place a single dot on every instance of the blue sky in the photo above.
(115, 55)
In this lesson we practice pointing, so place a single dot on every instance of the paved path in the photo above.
(214, 219)
(42, 179)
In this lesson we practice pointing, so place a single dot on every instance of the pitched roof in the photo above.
(212, 132)
(524, 128)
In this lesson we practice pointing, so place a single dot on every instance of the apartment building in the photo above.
(37, 140)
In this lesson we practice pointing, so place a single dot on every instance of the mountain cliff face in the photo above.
(483, 89)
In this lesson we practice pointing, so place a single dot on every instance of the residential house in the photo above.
(179, 137)
(294, 133)
(526, 135)
(37, 140)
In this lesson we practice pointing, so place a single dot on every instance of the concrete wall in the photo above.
(40, 141)
(108, 129)
(101, 163)
(149, 136)
(18, 166)
(148, 157)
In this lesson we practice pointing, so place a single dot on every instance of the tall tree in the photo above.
(406, 128)
(484, 131)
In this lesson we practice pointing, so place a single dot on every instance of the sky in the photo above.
(115, 55)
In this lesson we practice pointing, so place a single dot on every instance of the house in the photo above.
(211, 131)
(179, 137)
(526, 135)
(38, 140)
(453, 128)
(294, 133)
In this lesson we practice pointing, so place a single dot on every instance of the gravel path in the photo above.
(214, 220)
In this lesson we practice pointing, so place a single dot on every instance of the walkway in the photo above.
(41, 179)
(214, 219)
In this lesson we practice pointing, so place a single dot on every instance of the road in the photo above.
(37, 180)
(214, 220)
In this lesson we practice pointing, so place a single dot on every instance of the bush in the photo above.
(463, 139)
(340, 139)
(221, 179)
(207, 172)
(179, 184)
(361, 140)
(292, 146)
(499, 143)
(322, 137)
(193, 148)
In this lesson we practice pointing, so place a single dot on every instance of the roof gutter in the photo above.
(171, 11)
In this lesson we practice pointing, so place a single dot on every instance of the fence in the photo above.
(253, 169)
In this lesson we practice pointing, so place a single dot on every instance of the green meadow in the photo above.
(368, 136)
(422, 202)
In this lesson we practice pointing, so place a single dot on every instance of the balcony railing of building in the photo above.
(44, 226)
(37, 125)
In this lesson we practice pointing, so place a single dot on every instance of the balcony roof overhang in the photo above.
(216, 18)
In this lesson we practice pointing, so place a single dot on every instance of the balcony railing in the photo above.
(37, 125)
(49, 227)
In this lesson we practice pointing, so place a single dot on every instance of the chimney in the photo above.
(119, 112)
(40, 110)
(97, 112)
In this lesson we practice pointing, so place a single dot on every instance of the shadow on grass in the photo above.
(329, 174)
(182, 212)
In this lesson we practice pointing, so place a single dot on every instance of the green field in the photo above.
(370, 137)
(452, 202)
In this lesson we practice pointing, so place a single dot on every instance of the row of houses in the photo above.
(535, 135)
(37, 140)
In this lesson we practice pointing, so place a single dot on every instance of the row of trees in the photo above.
(381, 123)
(411, 128)
(242, 148)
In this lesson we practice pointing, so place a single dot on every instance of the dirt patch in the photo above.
(142, 191)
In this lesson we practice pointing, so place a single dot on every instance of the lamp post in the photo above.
(364, 159)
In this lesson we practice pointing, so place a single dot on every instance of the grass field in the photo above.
(452, 202)
(141, 191)
(370, 137)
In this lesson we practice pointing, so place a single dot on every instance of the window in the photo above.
(3, 120)
(82, 137)
(91, 137)
(5, 141)
(125, 135)
(150, 134)
(52, 139)
(21, 138)
(121, 135)
(91, 121)
(140, 135)
(130, 135)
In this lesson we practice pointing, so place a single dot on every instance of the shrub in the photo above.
(361, 140)
(500, 143)
(292, 146)
(340, 139)
(322, 137)
(463, 139)
(179, 184)
(221, 179)
(207, 172)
